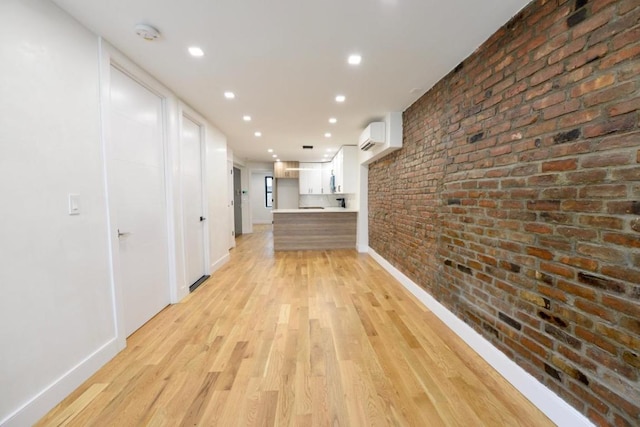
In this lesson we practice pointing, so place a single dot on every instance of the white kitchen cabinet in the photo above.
(345, 169)
(311, 178)
(327, 169)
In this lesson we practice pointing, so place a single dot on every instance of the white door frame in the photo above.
(185, 111)
(109, 56)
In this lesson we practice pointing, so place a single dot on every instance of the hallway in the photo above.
(296, 338)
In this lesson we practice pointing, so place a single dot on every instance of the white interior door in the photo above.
(139, 198)
(192, 205)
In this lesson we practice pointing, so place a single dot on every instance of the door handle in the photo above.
(202, 218)
(120, 234)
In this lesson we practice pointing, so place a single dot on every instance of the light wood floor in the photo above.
(296, 338)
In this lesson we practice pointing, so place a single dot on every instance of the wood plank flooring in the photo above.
(296, 339)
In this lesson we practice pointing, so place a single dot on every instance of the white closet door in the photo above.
(192, 206)
(139, 198)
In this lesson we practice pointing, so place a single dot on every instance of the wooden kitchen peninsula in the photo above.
(314, 229)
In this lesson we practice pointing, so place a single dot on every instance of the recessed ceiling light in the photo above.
(277, 160)
(246, 118)
(329, 150)
(196, 51)
(327, 135)
(354, 59)
(229, 95)
(257, 133)
(274, 156)
(333, 120)
(270, 150)
(340, 98)
(326, 155)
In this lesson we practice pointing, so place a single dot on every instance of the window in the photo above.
(268, 191)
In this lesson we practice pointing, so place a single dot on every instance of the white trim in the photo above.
(220, 262)
(262, 222)
(559, 411)
(29, 413)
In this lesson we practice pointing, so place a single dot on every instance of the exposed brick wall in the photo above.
(515, 200)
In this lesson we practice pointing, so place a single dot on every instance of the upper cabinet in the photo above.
(286, 169)
(315, 178)
(345, 169)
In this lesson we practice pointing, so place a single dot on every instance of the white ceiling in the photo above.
(286, 60)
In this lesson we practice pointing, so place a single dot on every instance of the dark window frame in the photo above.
(268, 192)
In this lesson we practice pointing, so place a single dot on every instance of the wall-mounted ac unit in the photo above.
(372, 135)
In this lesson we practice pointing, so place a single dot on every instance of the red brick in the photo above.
(557, 270)
(622, 305)
(602, 160)
(583, 263)
(621, 55)
(603, 253)
(622, 123)
(615, 400)
(559, 165)
(628, 240)
(623, 273)
(561, 109)
(596, 309)
(596, 339)
(610, 222)
(624, 107)
(620, 336)
(538, 228)
(603, 191)
(611, 94)
(577, 290)
(582, 205)
(593, 85)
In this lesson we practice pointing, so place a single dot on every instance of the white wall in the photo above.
(260, 214)
(56, 307)
(57, 321)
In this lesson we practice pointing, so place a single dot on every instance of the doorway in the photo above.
(138, 198)
(237, 201)
(194, 219)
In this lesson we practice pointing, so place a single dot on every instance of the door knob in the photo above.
(125, 233)
(202, 218)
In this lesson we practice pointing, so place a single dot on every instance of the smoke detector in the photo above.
(147, 32)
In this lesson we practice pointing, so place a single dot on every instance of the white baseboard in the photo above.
(220, 262)
(558, 411)
(363, 249)
(53, 394)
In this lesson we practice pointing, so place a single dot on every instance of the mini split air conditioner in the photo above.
(372, 134)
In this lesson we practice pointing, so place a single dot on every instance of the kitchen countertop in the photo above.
(303, 210)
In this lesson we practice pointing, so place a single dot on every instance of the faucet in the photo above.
(342, 202)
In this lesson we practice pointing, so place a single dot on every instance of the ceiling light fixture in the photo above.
(270, 150)
(257, 134)
(196, 51)
(354, 59)
(329, 150)
(327, 135)
(274, 156)
(147, 32)
(277, 160)
(341, 98)
(229, 95)
(246, 118)
(333, 120)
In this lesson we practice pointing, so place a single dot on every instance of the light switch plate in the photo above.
(74, 204)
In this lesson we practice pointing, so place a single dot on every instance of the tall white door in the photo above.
(192, 205)
(139, 198)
